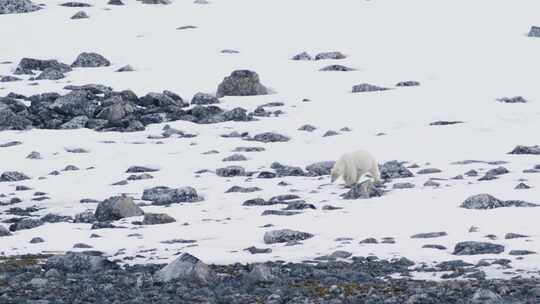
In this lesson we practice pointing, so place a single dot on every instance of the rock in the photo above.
(485, 296)
(369, 241)
(34, 155)
(431, 183)
(285, 235)
(117, 207)
(403, 185)
(204, 99)
(320, 168)
(366, 87)
(445, 122)
(364, 190)
(76, 122)
(260, 273)
(302, 56)
(116, 109)
(534, 31)
(4, 231)
(521, 252)
(75, 103)
(299, 205)
(140, 169)
(115, 2)
(283, 170)
(266, 174)
(230, 171)
(157, 218)
(486, 201)
(258, 202)
(165, 2)
(9, 79)
(239, 189)
(308, 128)
(471, 173)
(409, 83)
(36, 240)
(185, 268)
(27, 65)
(394, 169)
(80, 15)
(50, 74)
(235, 157)
(269, 137)
(279, 212)
(434, 246)
(515, 99)
(511, 235)
(165, 99)
(241, 83)
(126, 68)
(255, 250)
(86, 217)
(81, 246)
(26, 223)
(13, 176)
(90, 60)
(165, 195)
(74, 262)
(474, 248)
(330, 55)
(534, 150)
(428, 171)
(429, 235)
(248, 149)
(55, 218)
(139, 177)
(330, 133)
(9, 120)
(336, 68)
(17, 6)
(75, 4)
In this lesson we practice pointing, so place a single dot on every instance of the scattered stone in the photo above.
(126, 68)
(36, 240)
(13, 176)
(515, 99)
(235, 157)
(140, 169)
(474, 248)
(403, 185)
(165, 196)
(394, 169)
(445, 122)
(204, 99)
(512, 235)
(308, 128)
(366, 87)
(486, 201)
(255, 250)
(428, 171)
(230, 171)
(269, 137)
(408, 83)
(302, 56)
(75, 4)
(429, 235)
(285, 235)
(521, 252)
(17, 7)
(157, 218)
(363, 191)
(369, 241)
(81, 246)
(330, 133)
(337, 68)
(434, 246)
(26, 223)
(239, 189)
(74, 262)
(330, 55)
(4, 231)
(534, 150)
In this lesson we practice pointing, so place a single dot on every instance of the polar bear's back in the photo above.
(361, 159)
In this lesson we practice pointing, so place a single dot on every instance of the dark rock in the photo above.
(486, 201)
(320, 168)
(73, 262)
(279, 212)
(9, 79)
(364, 190)
(230, 171)
(474, 248)
(75, 4)
(266, 174)
(36, 240)
(255, 250)
(534, 150)
(521, 252)
(308, 128)
(140, 169)
(86, 217)
(403, 185)
(13, 176)
(241, 83)
(429, 235)
(239, 189)
(428, 171)
(302, 56)
(204, 99)
(434, 246)
(26, 223)
(80, 15)
(268, 137)
(445, 122)
(4, 231)
(394, 169)
(511, 235)
(408, 83)
(51, 73)
(369, 241)
(90, 60)
(17, 7)
(126, 68)
(485, 296)
(74, 104)
(366, 87)
(337, 68)
(235, 157)
(534, 31)
(515, 99)
(330, 133)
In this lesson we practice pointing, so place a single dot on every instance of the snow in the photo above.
(465, 54)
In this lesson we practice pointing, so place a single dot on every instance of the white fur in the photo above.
(352, 166)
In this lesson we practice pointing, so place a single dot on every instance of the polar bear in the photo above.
(352, 166)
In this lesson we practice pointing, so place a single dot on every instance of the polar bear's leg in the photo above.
(375, 173)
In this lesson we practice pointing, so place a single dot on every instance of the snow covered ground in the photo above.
(465, 55)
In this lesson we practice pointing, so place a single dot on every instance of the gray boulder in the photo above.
(534, 31)
(80, 15)
(474, 248)
(330, 55)
(302, 56)
(394, 169)
(86, 217)
(4, 231)
(50, 74)
(27, 65)
(204, 99)
(486, 201)
(17, 6)
(164, 195)
(533, 150)
(13, 176)
(75, 103)
(9, 120)
(515, 99)
(285, 235)
(117, 207)
(90, 60)
(268, 137)
(186, 268)
(230, 171)
(429, 235)
(76, 122)
(485, 296)
(74, 262)
(241, 83)
(260, 273)
(116, 109)
(26, 223)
